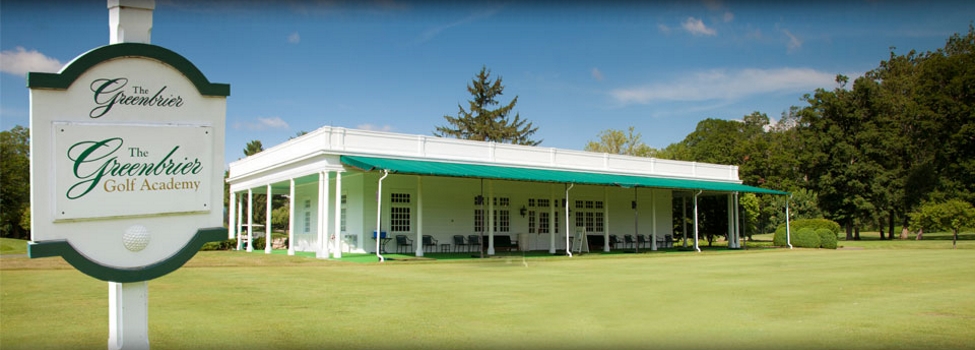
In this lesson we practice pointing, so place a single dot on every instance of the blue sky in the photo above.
(577, 67)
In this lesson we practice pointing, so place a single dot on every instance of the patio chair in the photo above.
(614, 241)
(428, 241)
(641, 241)
(666, 241)
(403, 241)
(473, 240)
(459, 242)
(628, 241)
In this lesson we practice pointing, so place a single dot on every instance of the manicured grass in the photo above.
(754, 299)
(13, 246)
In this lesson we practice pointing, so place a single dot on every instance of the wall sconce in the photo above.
(523, 211)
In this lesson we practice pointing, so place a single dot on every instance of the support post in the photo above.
(240, 225)
(267, 220)
(606, 225)
(322, 213)
(653, 220)
(291, 217)
(231, 217)
(683, 218)
(696, 246)
(250, 220)
(419, 213)
(337, 225)
(128, 315)
(568, 232)
(552, 223)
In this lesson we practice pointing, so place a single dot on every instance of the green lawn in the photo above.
(877, 298)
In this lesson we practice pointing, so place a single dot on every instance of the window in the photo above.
(531, 221)
(501, 215)
(543, 224)
(343, 211)
(307, 216)
(478, 220)
(399, 212)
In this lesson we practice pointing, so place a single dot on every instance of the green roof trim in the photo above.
(81, 64)
(498, 172)
(124, 275)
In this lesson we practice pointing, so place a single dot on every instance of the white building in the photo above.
(431, 186)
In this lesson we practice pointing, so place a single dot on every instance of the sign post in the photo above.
(127, 145)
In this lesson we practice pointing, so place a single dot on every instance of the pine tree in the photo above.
(484, 124)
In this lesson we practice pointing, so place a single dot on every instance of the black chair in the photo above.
(641, 241)
(459, 242)
(473, 240)
(403, 241)
(428, 241)
(628, 241)
(614, 241)
(666, 241)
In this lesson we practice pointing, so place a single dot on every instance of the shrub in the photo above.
(806, 238)
(220, 245)
(779, 238)
(827, 238)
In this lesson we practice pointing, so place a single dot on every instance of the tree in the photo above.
(952, 215)
(14, 181)
(619, 142)
(481, 123)
(253, 147)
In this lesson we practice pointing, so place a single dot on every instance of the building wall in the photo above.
(448, 208)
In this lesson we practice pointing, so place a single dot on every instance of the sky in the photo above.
(577, 67)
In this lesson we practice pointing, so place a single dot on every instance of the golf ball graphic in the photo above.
(136, 238)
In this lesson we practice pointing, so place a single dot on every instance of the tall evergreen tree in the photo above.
(480, 122)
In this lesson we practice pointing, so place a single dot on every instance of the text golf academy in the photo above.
(96, 165)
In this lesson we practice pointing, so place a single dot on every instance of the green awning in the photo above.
(497, 172)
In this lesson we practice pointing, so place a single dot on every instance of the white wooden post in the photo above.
(323, 243)
(291, 218)
(490, 217)
(231, 219)
(419, 213)
(128, 303)
(267, 221)
(337, 231)
(250, 220)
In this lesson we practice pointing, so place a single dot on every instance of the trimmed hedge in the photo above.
(220, 245)
(827, 238)
(815, 225)
(806, 238)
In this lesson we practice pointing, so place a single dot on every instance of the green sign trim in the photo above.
(89, 59)
(124, 275)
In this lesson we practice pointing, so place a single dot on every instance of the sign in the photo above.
(126, 162)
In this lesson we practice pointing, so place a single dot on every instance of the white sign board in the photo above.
(126, 162)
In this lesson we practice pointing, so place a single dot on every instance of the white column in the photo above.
(232, 217)
(250, 220)
(606, 219)
(291, 218)
(130, 21)
(267, 221)
(552, 224)
(337, 230)
(696, 246)
(240, 224)
(653, 219)
(322, 251)
(419, 215)
(490, 217)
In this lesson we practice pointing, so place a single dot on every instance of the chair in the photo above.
(403, 241)
(628, 241)
(641, 241)
(473, 240)
(428, 241)
(614, 241)
(666, 241)
(459, 242)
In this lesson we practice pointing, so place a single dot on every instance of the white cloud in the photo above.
(597, 74)
(794, 42)
(263, 123)
(720, 84)
(696, 26)
(294, 38)
(663, 28)
(20, 61)
(371, 127)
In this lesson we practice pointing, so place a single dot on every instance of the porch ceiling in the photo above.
(418, 167)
